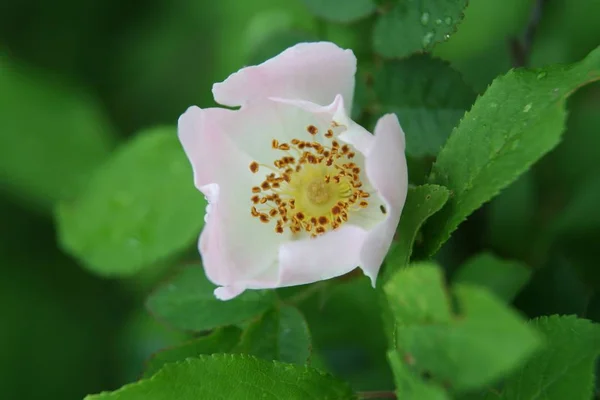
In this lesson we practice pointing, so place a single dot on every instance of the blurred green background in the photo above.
(77, 78)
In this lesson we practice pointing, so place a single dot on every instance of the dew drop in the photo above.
(425, 18)
(448, 20)
(427, 39)
(438, 21)
(446, 36)
(541, 75)
(527, 108)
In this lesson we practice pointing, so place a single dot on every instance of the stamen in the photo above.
(312, 192)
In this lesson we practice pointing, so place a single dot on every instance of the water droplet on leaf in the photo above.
(541, 75)
(425, 18)
(438, 21)
(527, 108)
(427, 39)
(448, 20)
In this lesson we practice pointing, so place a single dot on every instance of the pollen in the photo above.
(312, 188)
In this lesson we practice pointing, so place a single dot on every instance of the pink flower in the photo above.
(297, 191)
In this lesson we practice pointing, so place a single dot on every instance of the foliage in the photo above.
(490, 289)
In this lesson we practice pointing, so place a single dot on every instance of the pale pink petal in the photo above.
(206, 146)
(234, 245)
(228, 292)
(315, 72)
(386, 170)
(332, 254)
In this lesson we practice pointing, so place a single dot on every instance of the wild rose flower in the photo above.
(297, 191)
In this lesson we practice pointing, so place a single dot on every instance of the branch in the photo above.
(521, 49)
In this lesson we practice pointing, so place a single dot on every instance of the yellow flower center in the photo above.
(312, 188)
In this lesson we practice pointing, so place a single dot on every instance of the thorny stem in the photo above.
(521, 49)
(377, 395)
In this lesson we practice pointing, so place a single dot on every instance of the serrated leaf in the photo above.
(53, 136)
(518, 119)
(411, 27)
(428, 96)
(187, 302)
(504, 278)
(421, 203)
(449, 347)
(280, 334)
(138, 208)
(564, 368)
(232, 377)
(341, 10)
(220, 341)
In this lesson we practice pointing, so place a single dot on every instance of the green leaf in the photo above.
(421, 203)
(232, 377)
(410, 386)
(139, 207)
(564, 369)
(341, 10)
(358, 355)
(53, 136)
(428, 96)
(580, 215)
(187, 302)
(280, 334)
(447, 347)
(512, 217)
(503, 278)
(411, 27)
(220, 341)
(519, 119)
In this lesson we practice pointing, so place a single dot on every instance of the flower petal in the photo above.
(204, 144)
(332, 254)
(387, 172)
(234, 245)
(314, 72)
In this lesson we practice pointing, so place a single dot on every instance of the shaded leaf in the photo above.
(277, 42)
(187, 302)
(504, 278)
(139, 207)
(414, 26)
(341, 10)
(53, 136)
(220, 341)
(280, 334)
(358, 355)
(512, 216)
(428, 96)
